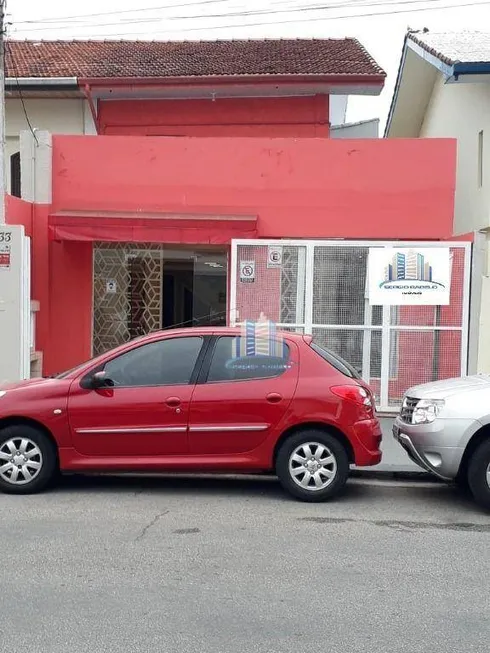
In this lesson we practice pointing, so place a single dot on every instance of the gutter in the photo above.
(476, 68)
(232, 79)
(41, 83)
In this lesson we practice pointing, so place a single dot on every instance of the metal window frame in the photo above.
(305, 289)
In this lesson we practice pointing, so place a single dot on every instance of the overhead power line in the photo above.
(8, 49)
(194, 3)
(430, 5)
(427, 6)
(254, 12)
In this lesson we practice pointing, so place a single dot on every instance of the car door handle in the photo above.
(173, 402)
(274, 397)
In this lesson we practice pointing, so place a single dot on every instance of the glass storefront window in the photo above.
(140, 288)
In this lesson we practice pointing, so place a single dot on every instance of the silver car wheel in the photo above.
(21, 461)
(312, 466)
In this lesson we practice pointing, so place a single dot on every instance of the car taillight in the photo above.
(355, 393)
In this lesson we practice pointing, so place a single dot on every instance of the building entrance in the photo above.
(142, 288)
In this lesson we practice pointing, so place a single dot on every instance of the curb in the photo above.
(386, 474)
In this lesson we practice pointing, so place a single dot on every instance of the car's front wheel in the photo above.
(28, 461)
(312, 465)
(479, 474)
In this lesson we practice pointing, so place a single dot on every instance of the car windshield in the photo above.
(336, 361)
(63, 375)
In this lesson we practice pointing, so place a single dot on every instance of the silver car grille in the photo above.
(409, 405)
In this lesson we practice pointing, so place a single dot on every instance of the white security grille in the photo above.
(319, 287)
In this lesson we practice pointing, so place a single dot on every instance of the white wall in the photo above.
(56, 115)
(337, 109)
(460, 111)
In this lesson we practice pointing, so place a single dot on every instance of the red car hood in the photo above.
(23, 384)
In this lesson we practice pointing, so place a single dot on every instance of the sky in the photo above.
(382, 33)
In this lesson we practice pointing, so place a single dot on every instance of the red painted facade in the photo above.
(205, 183)
(298, 188)
(298, 117)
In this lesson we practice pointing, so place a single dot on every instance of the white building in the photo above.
(57, 108)
(443, 90)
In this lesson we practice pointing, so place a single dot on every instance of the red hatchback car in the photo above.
(191, 400)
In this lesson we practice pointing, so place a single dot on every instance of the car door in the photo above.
(240, 401)
(146, 412)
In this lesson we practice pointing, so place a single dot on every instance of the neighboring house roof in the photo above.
(459, 47)
(168, 59)
(457, 56)
(359, 129)
(358, 123)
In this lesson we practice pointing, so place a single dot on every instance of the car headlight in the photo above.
(426, 411)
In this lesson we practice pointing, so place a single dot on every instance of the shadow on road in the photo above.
(257, 486)
(265, 487)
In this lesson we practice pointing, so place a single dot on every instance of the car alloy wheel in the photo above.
(21, 461)
(312, 466)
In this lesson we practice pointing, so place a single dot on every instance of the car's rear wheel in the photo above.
(479, 474)
(28, 460)
(312, 465)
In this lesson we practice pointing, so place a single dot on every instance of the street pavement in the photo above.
(130, 565)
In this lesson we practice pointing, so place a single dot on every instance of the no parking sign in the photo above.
(247, 271)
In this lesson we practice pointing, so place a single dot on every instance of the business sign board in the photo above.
(403, 276)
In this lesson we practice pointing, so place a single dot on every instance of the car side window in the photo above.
(231, 361)
(165, 362)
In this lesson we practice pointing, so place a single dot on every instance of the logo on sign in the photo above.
(404, 276)
(410, 273)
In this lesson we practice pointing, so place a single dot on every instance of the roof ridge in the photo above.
(218, 40)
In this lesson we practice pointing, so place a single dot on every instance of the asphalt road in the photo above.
(231, 566)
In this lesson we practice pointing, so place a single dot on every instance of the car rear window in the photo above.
(336, 361)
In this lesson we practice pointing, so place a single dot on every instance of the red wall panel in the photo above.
(70, 328)
(19, 212)
(306, 188)
(269, 117)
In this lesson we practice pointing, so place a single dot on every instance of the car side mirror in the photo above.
(101, 380)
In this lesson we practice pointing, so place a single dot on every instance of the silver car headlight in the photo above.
(426, 411)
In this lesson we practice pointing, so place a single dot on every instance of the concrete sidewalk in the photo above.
(394, 460)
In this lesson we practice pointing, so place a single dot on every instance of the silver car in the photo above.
(445, 428)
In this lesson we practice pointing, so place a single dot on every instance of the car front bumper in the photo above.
(434, 447)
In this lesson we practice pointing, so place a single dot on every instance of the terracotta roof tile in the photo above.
(99, 59)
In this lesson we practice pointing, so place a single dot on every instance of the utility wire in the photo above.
(310, 20)
(351, 16)
(7, 49)
(433, 5)
(247, 13)
(121, 11)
